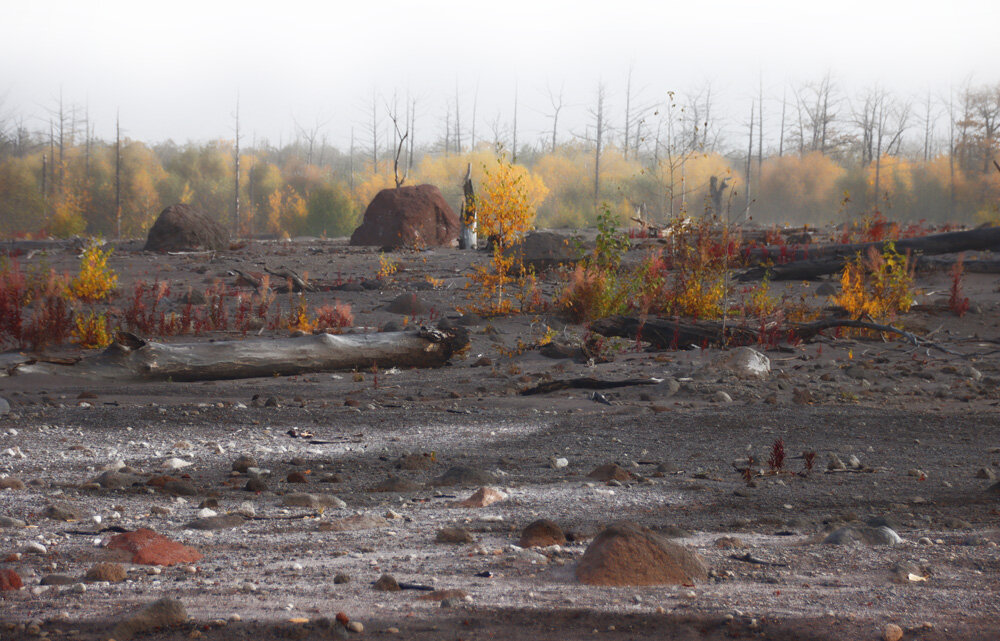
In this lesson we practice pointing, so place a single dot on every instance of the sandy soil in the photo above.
(921, 423)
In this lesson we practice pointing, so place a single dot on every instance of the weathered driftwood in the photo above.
(296, 282)
(132, 357)
(807, 262)
(677, 334)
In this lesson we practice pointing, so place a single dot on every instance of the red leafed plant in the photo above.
(777, 459)
(957, 303)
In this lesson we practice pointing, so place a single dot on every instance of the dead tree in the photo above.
(131, 357)
(467, 239)
(716, 191)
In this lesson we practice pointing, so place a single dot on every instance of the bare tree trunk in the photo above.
(513, 152)
(475, 104)
(374, 134)
(598, 141)
(781, 139)
(467, 239)
(118, 178)
(458, 121)
(236, 185)
(746, 210)
(628, 109)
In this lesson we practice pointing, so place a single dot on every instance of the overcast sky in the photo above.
(174, 69)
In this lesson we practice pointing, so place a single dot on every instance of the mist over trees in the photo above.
(810, 153)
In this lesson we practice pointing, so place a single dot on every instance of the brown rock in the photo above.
(629, 554)
(892, 632)
(297, 477)
(454, 535)
(110, 572)
(396, 484)
(146, 547)
(729, 543)
(416, 216)
(415, 462)
(163, 613)
(353, 523)
(407, 304)
(610, 472)
(483, 497)
(10, 580)
(542, 533)
(185, 228)
(11, 483)
(387, 583)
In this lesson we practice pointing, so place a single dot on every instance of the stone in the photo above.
(255, 484)
(183, 227)
(146, 547)
(296, 477)
(986, 473)
(243, 463)
(110, 572)
(412, 217)
(356, 627)
(354, 523)
(835, 464)
(312, 501)
(722, 397)
(63, 512)
(4, 406)
(11, 483)
(34, 547)
(440, 595)
(117, 480)
(461, 475)
(627, 553)
(218, 522)
(10, 580)
(340, 578)
(396, 484)
(387, 583)
(610, 472)
(483, 497)
(8, 522)
(744, 362)
(415, 462)
(863, 534)
(892, 632)
(179, 487)
(558, 463)
(456, 535)
(407, 304)
(542, 533)
(57, 579)
(164, 613)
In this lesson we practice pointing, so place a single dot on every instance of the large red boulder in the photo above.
(146, 547)
(408, 217)
(629, 554)
(185, 228)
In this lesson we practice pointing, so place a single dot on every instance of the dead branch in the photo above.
(296, 282)
(585, 382)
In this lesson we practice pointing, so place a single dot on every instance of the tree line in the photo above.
(820, 156)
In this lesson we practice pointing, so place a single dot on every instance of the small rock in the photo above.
(397, 484)
(863, 534)
(461, 475)
(558, 463)
(454, 535)
(7, 522)
(178, 487)
(63, 512)
(917, 473)
(542, 533)
(10, 580)
(11, 483)
(296, 477)
(247, 509)
(722, 397)
(243, 463)
(853, 462)
(387, 583)
(892, 632)
(835, 464)
(255, 484)
(341, 578)
(57, 579)
(484, 497)
(33, 547)
(174, 463)
(355, 627)
(163, 613)
(354, 523)
(312, 501)
(110, 572)
(610, 472)
(986, 473)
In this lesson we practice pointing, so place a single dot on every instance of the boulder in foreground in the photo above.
(182, 227)
(416, 216)
(629, 554)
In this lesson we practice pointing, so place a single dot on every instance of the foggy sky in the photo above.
(174, 69)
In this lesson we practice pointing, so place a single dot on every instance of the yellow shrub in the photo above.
(90, 331)
(878, 286)
(96, 281)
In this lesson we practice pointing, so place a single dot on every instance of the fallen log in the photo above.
(805, 263)
(667, 333)
(131, 357)
(586, 382)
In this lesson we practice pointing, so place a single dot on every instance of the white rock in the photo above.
(176, 464)
(33, 547)
(558, 463)
(205, 512)
(247, 509)
(745, 362)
